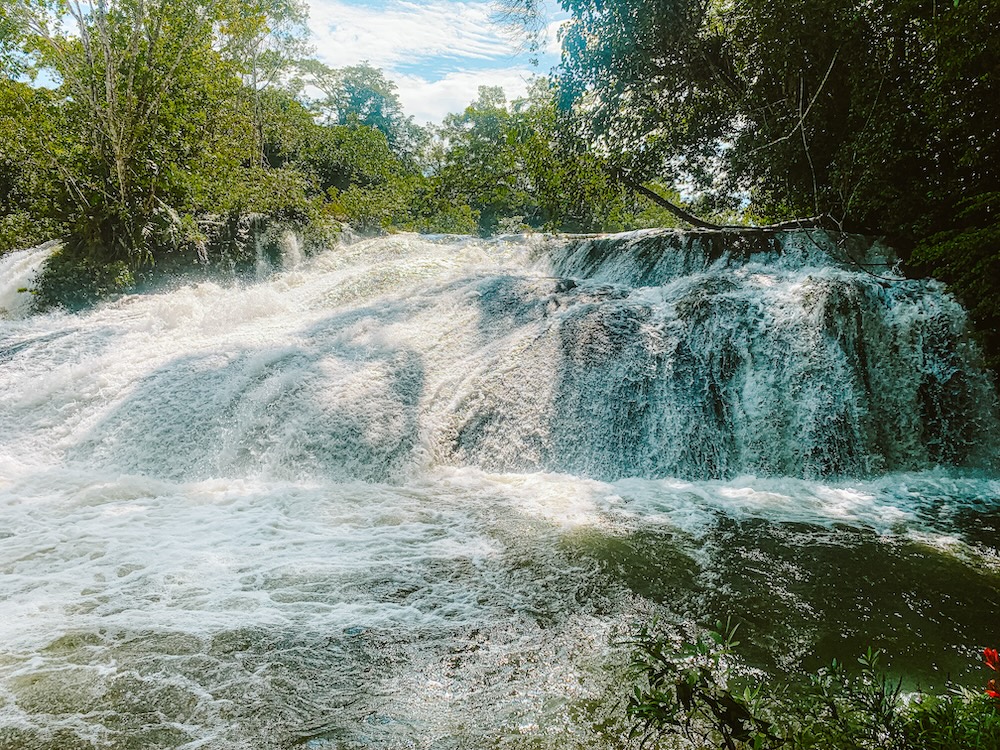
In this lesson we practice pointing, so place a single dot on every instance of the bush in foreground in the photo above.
(686, 695)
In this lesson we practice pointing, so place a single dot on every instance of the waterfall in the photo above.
(682, 355)
(408, 490)
(17, 277)
(644, 355)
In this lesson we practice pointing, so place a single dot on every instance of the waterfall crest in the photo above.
(650, 354)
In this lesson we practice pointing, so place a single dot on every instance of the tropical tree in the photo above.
(480, 166)
(266, 39)
(27, 116)
(524, 165)
(570, 184)
(361, 96)
(158, 117)
(143, 94)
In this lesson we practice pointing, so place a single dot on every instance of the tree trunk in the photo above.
(813, 222)
(677, 211)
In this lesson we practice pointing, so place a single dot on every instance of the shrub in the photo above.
(73, 280)
(687, 694)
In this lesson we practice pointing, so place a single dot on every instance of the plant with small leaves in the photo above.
(682, 689)
(687, 694)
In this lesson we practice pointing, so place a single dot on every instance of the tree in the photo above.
(143, 95)
(650, 85)
(266, 39)
(176, 131)
(480, 166)
(523, 165)
(361, 96)
(569, 184)
(829, 106)
(26, 186)
(154, 117)
(11, 63)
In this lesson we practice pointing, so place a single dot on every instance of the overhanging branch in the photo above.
(676, 210)
(813, 222)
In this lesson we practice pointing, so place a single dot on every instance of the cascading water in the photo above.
(409, 492)
(17, 277)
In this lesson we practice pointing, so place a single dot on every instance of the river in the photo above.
(418, 491)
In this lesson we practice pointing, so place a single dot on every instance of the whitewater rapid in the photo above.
(414, 492)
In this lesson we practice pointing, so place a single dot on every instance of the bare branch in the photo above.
(805, 114)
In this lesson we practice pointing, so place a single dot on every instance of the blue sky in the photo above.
(437, 51)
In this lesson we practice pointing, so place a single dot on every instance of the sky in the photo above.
(438, 52)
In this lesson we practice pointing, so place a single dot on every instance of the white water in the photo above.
(17, 278)
(408, 493)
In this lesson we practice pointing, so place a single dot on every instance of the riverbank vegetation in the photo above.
(691, 693)
(876, 117)
(156, 135)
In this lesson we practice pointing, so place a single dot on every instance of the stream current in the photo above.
(416, 492)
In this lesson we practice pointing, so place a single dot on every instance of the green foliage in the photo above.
(968, 257)
(429, 214)
(640, 74)
(692, 693)
(143, 96)
(171, 118)
(177, 137)
(875, 113)
(20, 229)
(265, 38)
(570, 186)
(522, 166)
(683, 689)
(72, 281)
(156, 150)
(26, 185)
(480, 168)
(361, 96)
(341, 156)
(11, 55)
(961, 721)
(870, 112)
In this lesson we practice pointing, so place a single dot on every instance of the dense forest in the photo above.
(157, 135)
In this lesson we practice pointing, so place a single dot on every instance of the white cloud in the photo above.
(447, 48)
(552, 44)
(430, 101)
(405, 32)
